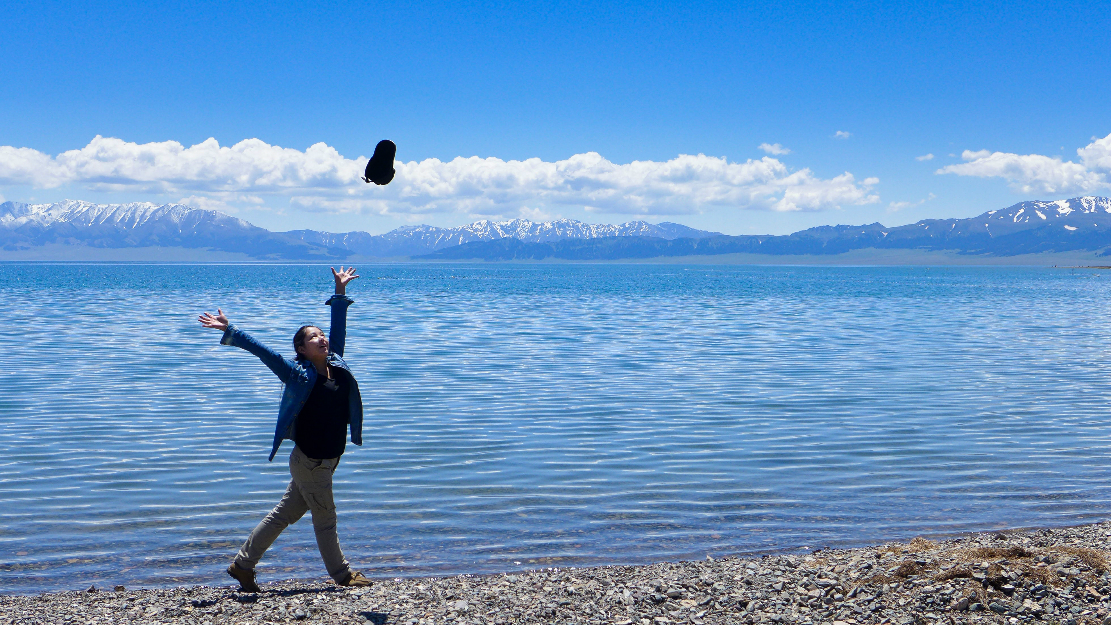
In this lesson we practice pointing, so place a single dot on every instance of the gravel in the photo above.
(1056, 576)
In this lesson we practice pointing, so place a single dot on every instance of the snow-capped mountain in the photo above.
(1028, 227)
(130, 216)
(1070, 215)
(1031, 227)
(141, 224)
(423, 239)
(529, 231)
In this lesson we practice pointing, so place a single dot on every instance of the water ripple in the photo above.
(539, 415)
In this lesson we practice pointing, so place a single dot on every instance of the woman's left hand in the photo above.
(343, 276)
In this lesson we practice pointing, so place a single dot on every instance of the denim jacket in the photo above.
(300, 376)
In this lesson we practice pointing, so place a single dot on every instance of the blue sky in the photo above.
(603, 98)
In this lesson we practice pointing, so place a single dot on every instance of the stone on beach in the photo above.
(1034, 576)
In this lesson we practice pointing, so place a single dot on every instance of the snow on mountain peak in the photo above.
(126, 215)
(538, 232)
(1048, 209)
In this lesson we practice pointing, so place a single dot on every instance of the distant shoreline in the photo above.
(1057, 575)
(56, 253)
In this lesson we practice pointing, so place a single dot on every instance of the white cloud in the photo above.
(842, 134)
(925, 157)
(1097, 155)
(321, 179)
(24, 166)
(112, 164)
(681, 185)
(205, 202)
(774, 149)
(807, 193)
(1036, 173)
(329, 204)
(220, 201)
(535, 215)
(899, 206)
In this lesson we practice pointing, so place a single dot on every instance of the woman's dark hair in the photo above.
(299, 339)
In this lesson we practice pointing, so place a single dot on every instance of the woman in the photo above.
(319, 401)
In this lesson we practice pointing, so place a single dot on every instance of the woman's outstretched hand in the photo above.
(343, 276)
(219, 322)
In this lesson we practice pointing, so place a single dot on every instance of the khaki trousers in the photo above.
(309, 490)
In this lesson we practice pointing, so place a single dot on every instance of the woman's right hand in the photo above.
(219, 321)
(343, 276)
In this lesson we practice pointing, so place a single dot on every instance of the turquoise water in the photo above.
(523, 416)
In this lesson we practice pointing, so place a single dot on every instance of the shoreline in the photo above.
(861, 257)
(1057, 575)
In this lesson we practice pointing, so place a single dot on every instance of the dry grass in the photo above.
(956, 572)
(906, 568)
(920, 544)
(962, 560)
(1009, 552)
(1095, 559)
(878, 579)
(1043, 575)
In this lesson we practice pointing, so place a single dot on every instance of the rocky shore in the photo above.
(1032, 576)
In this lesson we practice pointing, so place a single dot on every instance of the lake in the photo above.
(547, 415)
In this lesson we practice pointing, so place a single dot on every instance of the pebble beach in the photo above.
(1058, 576)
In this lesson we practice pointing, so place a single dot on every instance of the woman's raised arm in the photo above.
(281, 366)
(337, 331)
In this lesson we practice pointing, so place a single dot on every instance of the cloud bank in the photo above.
(321, 179)
(1036, 173)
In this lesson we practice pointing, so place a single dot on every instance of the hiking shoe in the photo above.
(356, 579)
(246, 578)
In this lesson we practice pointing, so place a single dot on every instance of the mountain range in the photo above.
(142, 224)
(1077, 224)
(1031, 227)
(409, 241)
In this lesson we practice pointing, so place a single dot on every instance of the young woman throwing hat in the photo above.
(320, 401)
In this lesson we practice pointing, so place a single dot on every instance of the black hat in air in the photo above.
(379, 170)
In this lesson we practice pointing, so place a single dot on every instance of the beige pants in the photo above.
(309, 490)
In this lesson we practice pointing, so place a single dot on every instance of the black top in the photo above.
(321, 427)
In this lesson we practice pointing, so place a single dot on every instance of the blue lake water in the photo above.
(523, 416)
